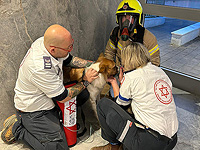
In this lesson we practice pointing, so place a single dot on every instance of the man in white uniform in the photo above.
(39, 86)
(154, 124)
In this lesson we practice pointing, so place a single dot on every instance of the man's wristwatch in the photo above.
(86, 83)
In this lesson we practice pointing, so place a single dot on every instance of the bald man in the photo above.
(39, 86)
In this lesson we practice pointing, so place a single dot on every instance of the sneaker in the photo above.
(6, 121)
(6, 134)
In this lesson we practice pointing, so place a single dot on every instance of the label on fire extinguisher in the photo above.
(70, 113)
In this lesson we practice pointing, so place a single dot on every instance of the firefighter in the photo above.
(130, 19)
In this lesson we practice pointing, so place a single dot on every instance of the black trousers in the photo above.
(116, 126)
(42, 130)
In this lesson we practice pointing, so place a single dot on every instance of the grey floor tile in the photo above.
(187, 54)
(188, 110)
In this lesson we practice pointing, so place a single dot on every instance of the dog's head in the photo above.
(107, 67)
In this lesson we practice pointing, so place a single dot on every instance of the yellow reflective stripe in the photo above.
(154, 51)
(153, 48)
(112, 46)
(119, 46)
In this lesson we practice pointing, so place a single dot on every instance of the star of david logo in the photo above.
(70, 107)
(164, 91)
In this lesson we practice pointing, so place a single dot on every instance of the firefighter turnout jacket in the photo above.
(115, 44)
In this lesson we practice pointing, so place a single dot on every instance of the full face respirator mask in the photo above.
(126, 24)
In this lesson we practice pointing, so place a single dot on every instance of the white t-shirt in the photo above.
(40, 78)
(149, 91)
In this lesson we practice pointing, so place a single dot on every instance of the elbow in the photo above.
(61, 101)
(65, 100)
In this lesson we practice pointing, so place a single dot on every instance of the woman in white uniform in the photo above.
(147, 89)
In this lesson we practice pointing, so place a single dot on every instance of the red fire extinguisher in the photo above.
(69, 119)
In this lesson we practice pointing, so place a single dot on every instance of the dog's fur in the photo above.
(104, 67)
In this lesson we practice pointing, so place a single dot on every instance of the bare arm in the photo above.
(114, 83)
(73, 91)
(115, 86)
(77, 62)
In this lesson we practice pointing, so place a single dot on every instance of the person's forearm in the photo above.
(73, 91)
(79, 62)
(115, 89)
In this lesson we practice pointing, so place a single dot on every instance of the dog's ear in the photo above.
(101, 57)
(102, 68)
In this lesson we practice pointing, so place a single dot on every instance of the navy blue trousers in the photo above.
(42, 130)
(113, 120)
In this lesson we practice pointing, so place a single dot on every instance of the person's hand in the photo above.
(121, 74)
(90, 75)
(112, 80)
(114, 84)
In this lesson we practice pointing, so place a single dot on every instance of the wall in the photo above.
(154, 21)
(23, 21)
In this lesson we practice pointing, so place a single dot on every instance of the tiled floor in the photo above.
(184, 59)
(188, 109)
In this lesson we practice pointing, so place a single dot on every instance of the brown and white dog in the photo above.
(105, 67)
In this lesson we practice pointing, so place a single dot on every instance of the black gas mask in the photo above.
(126, 23)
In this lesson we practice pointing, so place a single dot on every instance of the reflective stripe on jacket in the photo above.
(149, 41)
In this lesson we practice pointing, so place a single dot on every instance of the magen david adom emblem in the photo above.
(163, 91)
